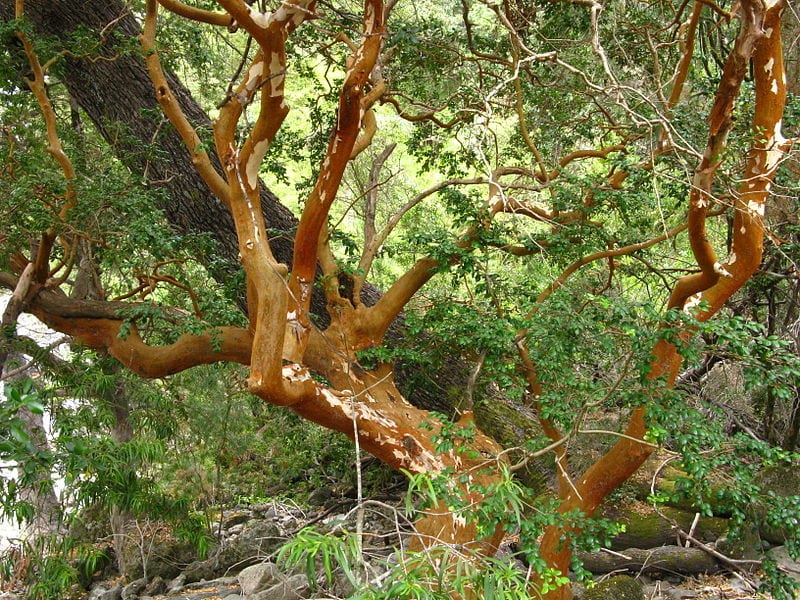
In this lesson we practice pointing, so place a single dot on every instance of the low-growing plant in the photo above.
(315, 550)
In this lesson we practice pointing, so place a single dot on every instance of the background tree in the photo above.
(565, 191)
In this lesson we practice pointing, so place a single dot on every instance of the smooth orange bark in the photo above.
(715, 283)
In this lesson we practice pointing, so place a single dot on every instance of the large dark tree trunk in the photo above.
(118, 97)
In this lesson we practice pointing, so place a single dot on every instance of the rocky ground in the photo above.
(250, 585)
(245, 565)
(664, 554)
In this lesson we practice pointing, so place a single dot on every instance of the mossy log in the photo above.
(511, 425)
(656, 561)
(650, 529)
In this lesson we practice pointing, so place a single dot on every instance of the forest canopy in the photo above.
(496, 244)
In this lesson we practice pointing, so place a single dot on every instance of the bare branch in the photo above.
(37, 86)
(172, 110)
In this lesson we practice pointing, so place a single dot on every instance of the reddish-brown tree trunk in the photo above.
(759, 39)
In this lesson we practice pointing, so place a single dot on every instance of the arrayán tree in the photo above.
(554, 139)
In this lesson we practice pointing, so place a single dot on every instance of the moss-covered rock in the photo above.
(785, 562)
(782, 481)
(746, 544)
(621, 587)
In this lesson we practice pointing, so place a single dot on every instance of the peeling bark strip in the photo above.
(339, 152)
(760, 40)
